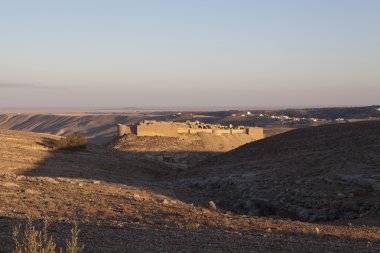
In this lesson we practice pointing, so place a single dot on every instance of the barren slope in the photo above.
(122, 205)
(185, 150)
(318, 173)
(201, 142)
(98, 128)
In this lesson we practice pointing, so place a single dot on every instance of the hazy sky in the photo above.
(189, 53)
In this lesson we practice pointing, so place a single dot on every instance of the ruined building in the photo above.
(176, 129)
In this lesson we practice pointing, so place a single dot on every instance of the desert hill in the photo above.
(323, 112)
(185, 150)
(98, 129)
(318, 173)
(99, 126)
(200, 142)
(125, 203)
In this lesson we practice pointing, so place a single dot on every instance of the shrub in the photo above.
(71, 142)
(32, 240)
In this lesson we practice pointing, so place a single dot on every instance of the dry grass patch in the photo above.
(31, 240)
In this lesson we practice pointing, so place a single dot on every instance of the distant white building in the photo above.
(249, 113)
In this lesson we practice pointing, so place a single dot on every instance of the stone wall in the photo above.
(167, 129)
(256, 133)
(123, 130)
(199, 130)
(221, 131)
(175, 129)
(238, 131)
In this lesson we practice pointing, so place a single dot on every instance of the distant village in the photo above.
(275, 116)
(282, 118)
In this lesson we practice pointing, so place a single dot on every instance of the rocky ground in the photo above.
(125, 203)
(313, 174)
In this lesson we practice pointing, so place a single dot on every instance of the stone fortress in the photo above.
(177, 129)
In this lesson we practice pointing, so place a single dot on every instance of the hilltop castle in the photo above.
(176, 129)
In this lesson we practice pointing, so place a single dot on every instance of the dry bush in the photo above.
(72, 245)
(32, 240)
(71, 142)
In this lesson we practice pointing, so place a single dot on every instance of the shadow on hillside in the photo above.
(152, 171)
(100, 163)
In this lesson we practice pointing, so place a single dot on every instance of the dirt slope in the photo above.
(191, 143)
(318, 173)
(126, 204)
(99, 129)
(185, 151)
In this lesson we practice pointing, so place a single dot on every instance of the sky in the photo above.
(189, 53)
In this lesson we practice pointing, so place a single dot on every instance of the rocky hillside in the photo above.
(318, 173)
(123, 203)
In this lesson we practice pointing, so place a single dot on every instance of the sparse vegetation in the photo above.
(130, 203)
(31, 240)
(71, 142)
(72, 245)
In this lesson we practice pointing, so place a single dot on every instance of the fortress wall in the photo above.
(123, 130)
(200, 130)
(182, 130)
(237, 131)
(256, 133)
(160, 129)
(221, 131)
(175, 129)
